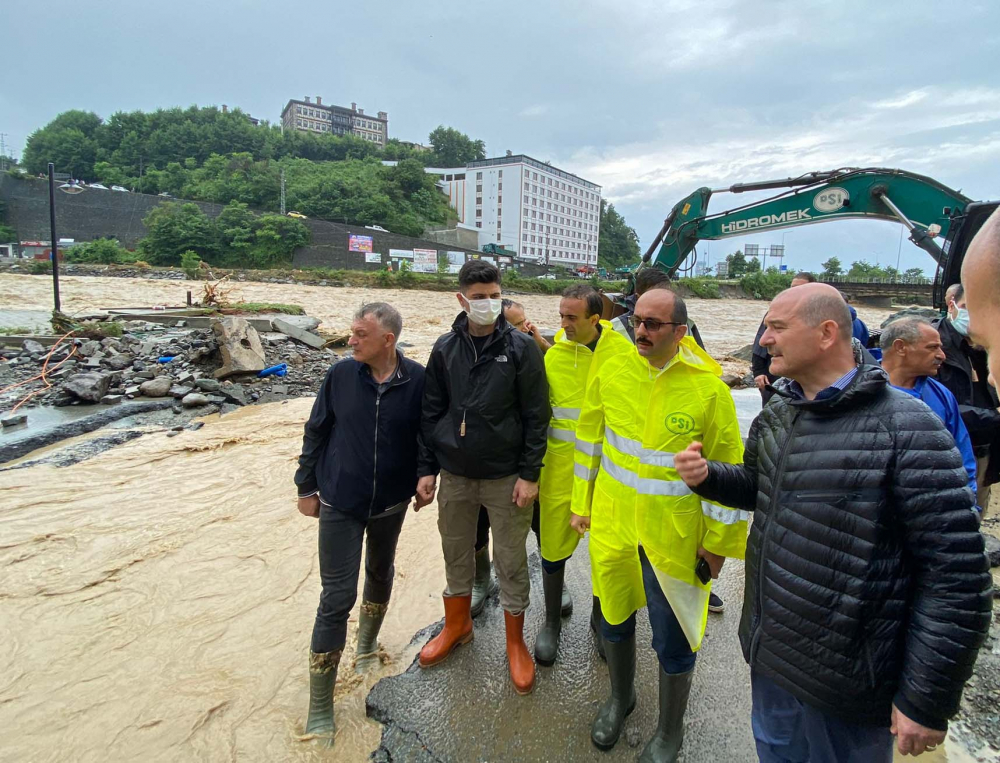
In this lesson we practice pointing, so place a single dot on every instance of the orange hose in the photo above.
(42, 375)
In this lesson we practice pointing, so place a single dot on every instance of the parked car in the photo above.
(376, 227)
(547, 277)
(98, 186)
(165, 195)
(297, 215)
(119, 188)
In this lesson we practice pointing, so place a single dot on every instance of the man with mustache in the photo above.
(652, 541)
(911, 355)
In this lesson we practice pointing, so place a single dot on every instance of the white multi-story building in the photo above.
(532, 208)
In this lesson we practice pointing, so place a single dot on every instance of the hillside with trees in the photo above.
(205, 154)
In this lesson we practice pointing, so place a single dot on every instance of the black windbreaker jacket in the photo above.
(866, 578)
(359, 449)
(485, 416)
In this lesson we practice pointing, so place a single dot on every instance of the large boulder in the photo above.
(158, 387)
(90, 386)
(239, 344)
(926, 313)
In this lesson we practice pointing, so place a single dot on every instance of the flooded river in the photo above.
(156, 601)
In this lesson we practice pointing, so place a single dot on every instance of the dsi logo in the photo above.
(679, 423)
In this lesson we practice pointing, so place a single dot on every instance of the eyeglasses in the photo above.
(650, 324)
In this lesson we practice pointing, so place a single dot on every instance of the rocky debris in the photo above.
(194, 400)
(31, 347)
(240, 347)
(745, 353)
(926, 313)
(13, 421)
(306, 337)
(992, 549)
(733, 381)
(158, 387)
(88, 386)
(133, 371)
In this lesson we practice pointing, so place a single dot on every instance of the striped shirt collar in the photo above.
(841, 384)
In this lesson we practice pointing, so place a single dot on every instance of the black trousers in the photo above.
(483, 527)
(341, 537)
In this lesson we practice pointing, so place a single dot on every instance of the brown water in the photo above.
(725, 324)
(156, 602)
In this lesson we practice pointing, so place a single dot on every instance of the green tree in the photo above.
(70, 141)
(173, 229)
(753, 265)
(453, 148)
(617, 244)
(7, 234)
(866, 271)
(102, 251)
(737, 263)
(832, 268)
(913, 275)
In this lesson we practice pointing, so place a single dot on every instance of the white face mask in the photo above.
(483, 312)
(961, 321)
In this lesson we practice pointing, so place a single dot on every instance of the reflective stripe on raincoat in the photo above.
(568, 366)
(633, 420)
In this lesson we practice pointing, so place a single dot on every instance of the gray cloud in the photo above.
(650, 98)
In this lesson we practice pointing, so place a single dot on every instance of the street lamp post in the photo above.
(54, 248)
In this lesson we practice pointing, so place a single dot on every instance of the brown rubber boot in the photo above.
(522, 667)
(457, 630)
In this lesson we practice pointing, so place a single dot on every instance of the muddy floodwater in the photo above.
(156, 600)
(725, 324)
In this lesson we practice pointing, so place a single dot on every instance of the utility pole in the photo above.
(3, 152)
(54, 247)
(282, 190)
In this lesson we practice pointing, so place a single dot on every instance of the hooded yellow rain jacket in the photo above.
(633, 420)
(568, 367)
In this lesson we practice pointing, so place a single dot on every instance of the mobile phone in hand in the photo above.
(703, 571)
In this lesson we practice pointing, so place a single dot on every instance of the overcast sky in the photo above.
(649, 98)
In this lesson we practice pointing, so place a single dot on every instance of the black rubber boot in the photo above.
(547, 640)
(595, 626)
(484, 585)
(369, 624)
(607, 726)
(669, 736)
(322, 678)
(566, 608)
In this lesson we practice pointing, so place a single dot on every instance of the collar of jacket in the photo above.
(461, 325)
(868, 382)
(401, 376)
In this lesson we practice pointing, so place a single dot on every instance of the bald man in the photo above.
(981, 279)
(867, 590)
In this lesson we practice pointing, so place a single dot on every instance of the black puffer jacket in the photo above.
(485, 416)
(866, 578)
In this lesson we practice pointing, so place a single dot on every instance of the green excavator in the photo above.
(929, 210)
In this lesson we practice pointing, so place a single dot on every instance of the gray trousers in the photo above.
(459, 499)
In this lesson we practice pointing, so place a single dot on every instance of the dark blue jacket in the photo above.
(360, 448)
(858, 328)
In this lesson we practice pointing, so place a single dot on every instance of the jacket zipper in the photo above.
(378, 403)
(755, 639)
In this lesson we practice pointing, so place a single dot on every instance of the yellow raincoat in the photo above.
(568, 367)
(633, 420)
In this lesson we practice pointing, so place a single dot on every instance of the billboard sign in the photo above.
(358, 243)
(425, 260)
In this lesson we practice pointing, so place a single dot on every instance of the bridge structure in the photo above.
(882, 293)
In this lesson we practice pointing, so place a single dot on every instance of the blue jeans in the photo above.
(669, 642)
(789, 731)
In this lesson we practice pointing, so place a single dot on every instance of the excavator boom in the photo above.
(924, 206)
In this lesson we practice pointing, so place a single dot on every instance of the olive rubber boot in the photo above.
(595, 626)
(669, 736)
(369, 624)
(566, 608)
(607, 726)
(547, 640)
(322, 678)
(484, 585)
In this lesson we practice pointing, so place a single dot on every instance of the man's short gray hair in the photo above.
(828, 307)
(386, 316)
(904, 329)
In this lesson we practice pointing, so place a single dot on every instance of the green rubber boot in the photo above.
(369, 624)
(322, 679)
(566, 608)
(595, 626)
(547, 640)
(484, 585)
(610, 720)
(669, 736)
